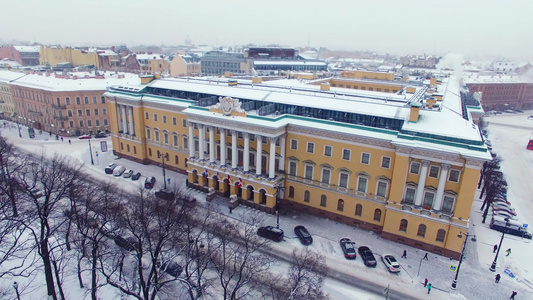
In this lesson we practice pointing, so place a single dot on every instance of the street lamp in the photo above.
(18, 127)
(91, 151)
(279, 195)
(163, 157)
(454, 282)
(16, 287)
(493, 266)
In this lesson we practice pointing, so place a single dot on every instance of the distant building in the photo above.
(24, 55)
(7, 106)
(500, 92)
(420, 61)
(185, 65)
(503, 66)
(220, 62)
(152, 63)
(53, 56)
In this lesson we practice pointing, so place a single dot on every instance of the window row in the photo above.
(428, 198)
(96, 112)
(164, 119)
(89, 123)
(441, 233)
(94, 100)
(434, 171)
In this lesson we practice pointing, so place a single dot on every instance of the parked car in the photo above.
(149, 182)
(170, 267)
(109, 169)
(348, 248)
(128, 244)
(367, 256)
(271, 233)
(510, 211)
(501, 205)
(38, 193)
(100, 135)
(391, 263)
(509, 227)
(136, 176)
(119, 170)
(304, 236)
(504, 215)
(85, 137)
(127, 174)
(501, 200)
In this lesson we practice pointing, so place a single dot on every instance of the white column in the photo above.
(258, 157)
(421, 183)
(272, 159)
(437, 204)
(282, 154)
(124, 121)
(212, 145)
(191, 140)
(119, 116)
(130, 120)
(222, 146)
(234, 150)
(201, 141)
(246, 154)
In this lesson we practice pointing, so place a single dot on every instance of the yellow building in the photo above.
(368, 75)
(53, 55)
(7, 105)
(388, 163)
(185, 65)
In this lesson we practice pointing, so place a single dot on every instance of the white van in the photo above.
(119, 170)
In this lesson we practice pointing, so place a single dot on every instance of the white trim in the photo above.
(350, 154)
(357, 185)
(307, 147)
(331, 154)
(458, 176)
(369, 158)
(390, 161)
(386, 188)
(295, 167)
(429, 171)
(290, 144)
(305, 172)
(411, 165)
(347, 180)
(322, 175)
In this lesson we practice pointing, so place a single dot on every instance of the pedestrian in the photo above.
(404, 254)
(426, 256)
(494, 248)
(513, 294)
(498, 278)
(69, 142)
(429, 288)
(425, 282)
(508, 251)
(230, 210)
(61, 138)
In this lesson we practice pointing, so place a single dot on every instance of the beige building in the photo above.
(153, 63)
(185, 65)
(7, 106)
(54, 55)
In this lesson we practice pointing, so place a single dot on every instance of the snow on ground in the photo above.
(509, 134)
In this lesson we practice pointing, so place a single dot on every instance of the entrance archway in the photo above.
(225, 184)
(215, 183)
(238, 189)
(262, 197)
(250, 193)
(194, 176)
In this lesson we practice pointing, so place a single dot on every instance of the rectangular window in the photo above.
(294, 144)
(81, 123)
(96, 111)
(328, 151)
(156, 133)
(385, 162)
(310, 147)
(71, 124)
(343, 180)
(164, 119)
(104, 111)
(79, 113)
(185, 143)
(434, 172)
(184, 123)
(382, 188)
(346, 154)
(155, 117)
(103, 99)
(292, 168)
(409, 197)
(447, 204)
(454, 175)
(97, 122)
(69, 113)
(428, 199)
(88, 112)
(365, 158)
(174, 121)
(175, 140)
(326, 174)
(89, 123)
(105, 122)
(148, 134)
(415, 168)
(309, 172)
(146, 117)
(361, 184)
(94, 100)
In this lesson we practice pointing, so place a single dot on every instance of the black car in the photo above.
(100, 135)
(171, 268)
(271, 233)
(149, 182)
(136, 176)
(348, 248)
(109, 169)
(128, 244)
(304, 236)
(367, 256)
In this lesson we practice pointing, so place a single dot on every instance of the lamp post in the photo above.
(163, 157)
(493, 266)
(91, 151)
(18, 127)
(16, 287)
(279, 196)
(454, 282)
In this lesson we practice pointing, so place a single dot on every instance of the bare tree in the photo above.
(306, 275)
(12, 162)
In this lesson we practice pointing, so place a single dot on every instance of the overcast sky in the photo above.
(470, 27)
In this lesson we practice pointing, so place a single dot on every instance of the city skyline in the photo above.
(488, 28)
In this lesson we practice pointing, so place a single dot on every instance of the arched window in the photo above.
(291, 192)
(121, 146)
(176, 159)
(403, 225)
(358, 210)
(323, 200)
(307, 196)
(441, 234)
(340, 205)
(149, 151)
(86, 100)
(128, 147)
(421, 230)
(134, 150)
(377, 215)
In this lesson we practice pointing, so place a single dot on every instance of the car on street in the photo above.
(504, 215)
(119, 170)
(128, 244)
(136, 176)
(127, 174)
(501, 200)
(501, 205)
(367, 256)
(109, 169)
(510, 211)
(171, 268)
(149, 182)
(348, 248)
(509, 226)
(85, 137)
(391, 263)
(271, 233)
(100, 135)
(302, 234)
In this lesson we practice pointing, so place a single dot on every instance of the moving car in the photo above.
(367, 256)
(348, 248)
(127, 174)
(109, 169)
(271, 233)
(119, 170)
(149, 182)
(136, 176)
(85, 137)
(391, 263)
(170, 267)
(304, 236)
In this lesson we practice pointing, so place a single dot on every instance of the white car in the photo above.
(391, 263)
(127, 174)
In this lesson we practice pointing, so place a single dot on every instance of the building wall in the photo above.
(368, 75)
(179, 67)
(7, 106)
(10, 52)
(160, 66)
(363, 85)
(500, 96)
(53, 56)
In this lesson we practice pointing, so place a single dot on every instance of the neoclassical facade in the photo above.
(404, 165)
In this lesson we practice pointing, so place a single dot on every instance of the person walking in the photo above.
(508, 251)
(498, 278)
(404, 254)
(494, 248)
(69, 142)
(426, 256)
(425, 282)
(230, 210)
(513, 294)
(429, 288)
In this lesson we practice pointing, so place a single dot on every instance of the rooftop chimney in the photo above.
(414, 114)
(324, 86)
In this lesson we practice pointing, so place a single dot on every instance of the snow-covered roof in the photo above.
(476, 78)
(7, 76)
(28, 48)
(288, 63)
(149, 56)
(106, 52)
